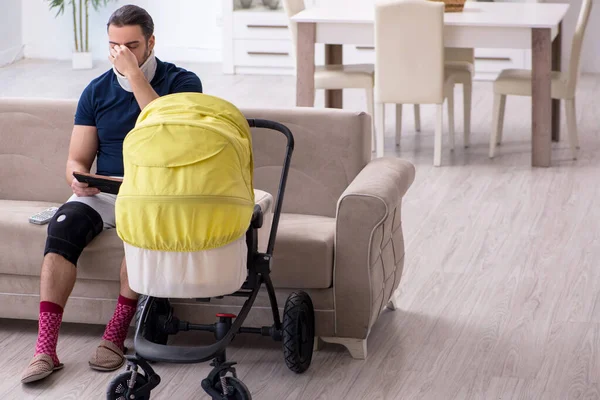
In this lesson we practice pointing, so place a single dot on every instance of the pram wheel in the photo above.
(298, 331)
(117, 389)
(236, 389)
(151, 329)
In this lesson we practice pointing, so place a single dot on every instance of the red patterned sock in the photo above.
(116, 330)
(49, 325)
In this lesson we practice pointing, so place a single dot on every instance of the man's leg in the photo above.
(109, 354)
(69, 231)
(57, 281)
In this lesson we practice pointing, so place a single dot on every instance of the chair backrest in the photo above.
(409, 52)
(577, 44)
(293, 7)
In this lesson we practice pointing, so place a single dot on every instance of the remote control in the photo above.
(43, 217)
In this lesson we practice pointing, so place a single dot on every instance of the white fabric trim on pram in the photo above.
(207, 273)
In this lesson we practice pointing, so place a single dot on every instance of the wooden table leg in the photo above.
(334, 54)
(305, 65)
(556, 66)
(541, 146)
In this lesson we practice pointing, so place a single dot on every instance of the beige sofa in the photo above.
(340, 236)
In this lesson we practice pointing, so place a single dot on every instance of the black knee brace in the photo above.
(73, 226)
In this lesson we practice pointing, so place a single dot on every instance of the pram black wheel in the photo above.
(237, 390)
(298, 331)
(151, 330)
(118, 387)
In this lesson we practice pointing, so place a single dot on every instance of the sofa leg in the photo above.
(318, 344)
(393, 303)
(356, 347)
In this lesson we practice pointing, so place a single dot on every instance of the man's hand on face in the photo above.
(124, 60)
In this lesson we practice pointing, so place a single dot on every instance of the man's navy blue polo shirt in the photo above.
(113, 110)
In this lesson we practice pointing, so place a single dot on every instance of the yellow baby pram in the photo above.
(194, 226)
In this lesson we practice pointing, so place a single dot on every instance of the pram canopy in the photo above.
(188, 182)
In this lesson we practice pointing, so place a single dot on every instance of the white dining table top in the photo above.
(480, 14)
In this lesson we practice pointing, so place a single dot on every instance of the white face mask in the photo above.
(148, 68)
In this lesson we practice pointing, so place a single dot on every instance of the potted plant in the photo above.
(82, 57)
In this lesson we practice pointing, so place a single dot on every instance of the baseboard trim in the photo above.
(166, 53)
(11, 55)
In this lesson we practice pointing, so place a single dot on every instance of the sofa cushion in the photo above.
(303, 250)
(22, 244)
(303, 254)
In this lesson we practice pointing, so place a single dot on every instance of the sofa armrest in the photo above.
(369, 247)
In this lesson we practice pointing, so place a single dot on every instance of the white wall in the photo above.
(11, 42)
(186, 30)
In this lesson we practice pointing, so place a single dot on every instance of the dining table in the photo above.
(532, 26)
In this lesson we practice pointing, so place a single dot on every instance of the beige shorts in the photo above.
(103, 203)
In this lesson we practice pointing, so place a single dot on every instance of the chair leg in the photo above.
(501, 120)
(451, 118)
(498, 119)
(467, 94)
(437, 144)
(398, 123)
(379, 128)
(572, 126)
(418, 117)
(371, 111)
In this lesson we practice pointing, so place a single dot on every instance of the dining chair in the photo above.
(462, 62)
(336, 76)
(517, 82)
(409, 64)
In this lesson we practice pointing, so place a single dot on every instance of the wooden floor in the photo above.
(501, 293)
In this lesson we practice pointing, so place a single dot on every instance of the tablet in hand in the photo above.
(103, 183)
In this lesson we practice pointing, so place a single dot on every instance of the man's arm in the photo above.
(142, 90)
(82, 152)
(126, 63)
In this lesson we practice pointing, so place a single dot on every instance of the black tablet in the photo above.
(105, 184)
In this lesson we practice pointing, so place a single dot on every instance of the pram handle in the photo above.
(276, 126)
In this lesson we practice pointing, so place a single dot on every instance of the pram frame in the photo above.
(259, 267)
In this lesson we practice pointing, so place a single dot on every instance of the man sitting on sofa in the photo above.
(106, 112)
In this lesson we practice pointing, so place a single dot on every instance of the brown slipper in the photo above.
(107, 357)
(39, 367)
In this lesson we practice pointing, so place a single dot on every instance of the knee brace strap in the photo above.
(73, 226)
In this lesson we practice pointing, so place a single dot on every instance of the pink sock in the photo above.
(116, 330)
(49, 325)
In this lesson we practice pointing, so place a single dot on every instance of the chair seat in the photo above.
(518, 82)
(344, 76)
(462, 71)
(459, 66)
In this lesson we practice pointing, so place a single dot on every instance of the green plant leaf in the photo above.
(99, 3)
(60, 4)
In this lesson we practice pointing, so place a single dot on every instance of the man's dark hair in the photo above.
(133, 15)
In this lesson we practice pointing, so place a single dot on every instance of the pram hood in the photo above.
(188, 175)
